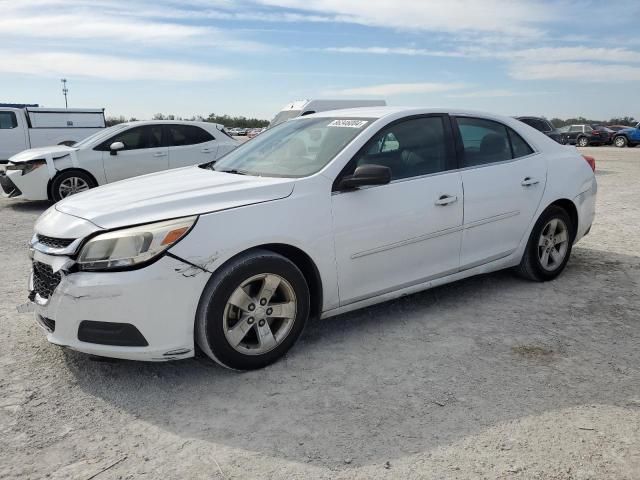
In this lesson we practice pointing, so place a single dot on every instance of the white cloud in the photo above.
(517, 17)
(49, 64)
(391, 89)
(578, 71)
(394, 51)
(497, 93)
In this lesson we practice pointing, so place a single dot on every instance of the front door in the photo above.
(503, 180)
(406, 232)
(143, 153)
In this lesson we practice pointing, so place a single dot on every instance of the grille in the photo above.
(55, 242)
(44, 280)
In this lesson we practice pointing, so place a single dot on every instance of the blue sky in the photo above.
(135, 58)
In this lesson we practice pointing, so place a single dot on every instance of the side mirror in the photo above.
(366, 175)
(115, 146)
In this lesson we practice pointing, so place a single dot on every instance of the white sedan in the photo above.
(318, 216)
(122, 151)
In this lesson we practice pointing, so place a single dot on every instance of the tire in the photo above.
(218, 316)
(69, 182)
(532, 266)
(620, 141)
(582, 142)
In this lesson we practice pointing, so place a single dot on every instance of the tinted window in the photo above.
(180, 135)
(575, 128)
(410, 148)
(149, 136)
(484, 141)
(518, 145)
(8, 120)
(538, 124)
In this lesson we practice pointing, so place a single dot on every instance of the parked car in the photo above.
(301, 108)
(627, 137)
(545, 126)
(32, 127)
(119, 152)
(254, 132)
(605, 132)
(585, 135)
(235, 256)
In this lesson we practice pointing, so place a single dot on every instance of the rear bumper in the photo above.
(586, 205)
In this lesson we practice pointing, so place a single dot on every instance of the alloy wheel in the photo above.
(553, 244)
(72, 185)
(619, 141)
(259, 314)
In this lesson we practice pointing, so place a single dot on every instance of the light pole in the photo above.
(65, 90)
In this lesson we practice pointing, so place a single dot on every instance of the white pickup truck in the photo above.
(31, 127)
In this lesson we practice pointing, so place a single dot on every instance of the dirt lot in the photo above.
(492, 377)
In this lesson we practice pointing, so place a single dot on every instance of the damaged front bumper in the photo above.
(143, 314)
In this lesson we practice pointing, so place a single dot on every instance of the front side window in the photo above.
(180, 135)
(137, 138)
(8, 120)
(486, 141)
(410, 148)
(298, 148)
(575, 128)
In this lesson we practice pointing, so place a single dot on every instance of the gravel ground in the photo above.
(491, 377)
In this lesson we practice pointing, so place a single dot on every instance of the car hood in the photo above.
(54, 151)
(171, 194)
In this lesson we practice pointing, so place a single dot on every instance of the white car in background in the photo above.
(122, 151)
(318, 216)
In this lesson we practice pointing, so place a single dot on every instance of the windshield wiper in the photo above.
(233, 171)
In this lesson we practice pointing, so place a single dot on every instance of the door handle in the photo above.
(529, 181)
(160, 154)
(446, 200)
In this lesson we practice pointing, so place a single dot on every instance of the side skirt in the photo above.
(502, 263)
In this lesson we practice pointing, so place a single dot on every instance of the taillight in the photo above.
(591, 161)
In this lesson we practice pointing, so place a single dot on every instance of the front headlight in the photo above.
(132, 246)
(26, 167)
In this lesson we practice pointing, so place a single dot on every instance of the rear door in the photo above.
(143, 153)
(190, 145)
(406, 232)
(503, 179)
(574, 131)
(13, 134)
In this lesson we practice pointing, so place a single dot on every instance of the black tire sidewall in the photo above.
(65, 174)
(212, 304)
(532, 247)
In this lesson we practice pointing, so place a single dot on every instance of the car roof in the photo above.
(382, 112)
(138, 123)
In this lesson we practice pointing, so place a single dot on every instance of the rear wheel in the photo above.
(583, 142)
(549, 246)
(620, 141)
(70, 182)
(252, 311)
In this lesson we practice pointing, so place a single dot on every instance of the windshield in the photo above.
(100, 135)
(293, 149)
(283, 116)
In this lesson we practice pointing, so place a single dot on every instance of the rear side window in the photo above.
(410, 148)
(538, 124)
(180, 135)
(485, 141)
(8, 120)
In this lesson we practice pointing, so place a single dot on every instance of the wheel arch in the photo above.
(301, 260)
(571, 209)
(65, 170)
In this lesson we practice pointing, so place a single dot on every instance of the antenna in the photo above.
(65, 90)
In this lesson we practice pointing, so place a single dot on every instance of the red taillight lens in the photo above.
(591, 161)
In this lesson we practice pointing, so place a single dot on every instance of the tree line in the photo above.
(558, 122)
(226, 120)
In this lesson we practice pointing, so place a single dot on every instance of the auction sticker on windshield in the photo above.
(348, 123)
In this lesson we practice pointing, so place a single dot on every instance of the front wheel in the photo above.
(549, 246)
(252, 311)
(70, 182)
(620, 142)
(583, 142)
